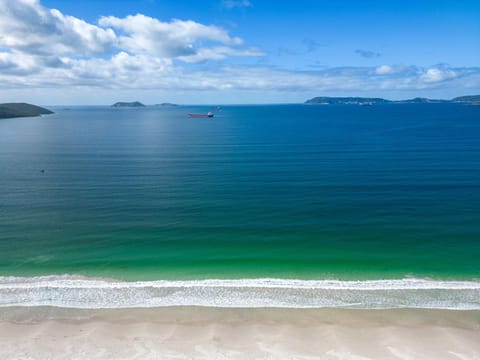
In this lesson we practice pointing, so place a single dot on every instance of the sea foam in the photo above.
(90, 293)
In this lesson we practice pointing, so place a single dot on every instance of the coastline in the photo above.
(216, 333)
(74, 291)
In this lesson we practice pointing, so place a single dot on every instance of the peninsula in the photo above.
(128, 104)
(13, 110)
(325, 100)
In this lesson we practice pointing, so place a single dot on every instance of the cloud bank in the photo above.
(44, 48)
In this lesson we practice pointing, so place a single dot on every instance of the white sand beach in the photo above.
(216, 333)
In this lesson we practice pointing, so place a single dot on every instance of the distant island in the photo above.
(471, 99)
(166, 104)
(14, 110)
(324, 100)
(128, 104)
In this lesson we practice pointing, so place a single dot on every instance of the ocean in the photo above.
(271, 205)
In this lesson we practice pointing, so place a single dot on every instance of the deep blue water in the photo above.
(299, 191)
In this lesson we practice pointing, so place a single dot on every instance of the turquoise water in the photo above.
(290, 191)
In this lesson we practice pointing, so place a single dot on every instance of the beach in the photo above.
(216, 333)
(220, 333)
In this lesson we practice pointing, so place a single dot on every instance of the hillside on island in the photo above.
(325, 100)
(345, 100)
(472, 99)
(13, 110)
(167, 104)
(128, 104)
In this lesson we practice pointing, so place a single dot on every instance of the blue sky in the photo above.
(236, 51)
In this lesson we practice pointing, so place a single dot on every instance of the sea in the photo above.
(259, 206)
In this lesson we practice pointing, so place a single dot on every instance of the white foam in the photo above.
(82, 292)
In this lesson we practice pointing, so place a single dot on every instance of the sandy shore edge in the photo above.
(229, 333)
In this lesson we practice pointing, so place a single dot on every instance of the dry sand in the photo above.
(214, 333)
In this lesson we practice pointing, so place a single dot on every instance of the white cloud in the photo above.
(43, 48)
(17, 64)
(144, 71)
(219, 53)
(175, 39)
(433, 75)
(384, 70)
(26, 26)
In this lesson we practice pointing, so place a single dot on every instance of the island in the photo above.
(420, 100)
(14, 110)
(470, 99)
(166, 104)
(325, 100)
(128, 104)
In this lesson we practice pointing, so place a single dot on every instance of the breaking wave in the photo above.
(92, 293)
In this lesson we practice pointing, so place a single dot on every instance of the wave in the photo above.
(92, 293)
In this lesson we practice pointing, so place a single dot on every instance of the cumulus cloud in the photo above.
(17, 64)
(175, 39)
(43, 48)
(384, 70)
(147, 72)
(26, 26)
(433, 75)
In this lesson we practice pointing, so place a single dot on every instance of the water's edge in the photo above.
(71, 291)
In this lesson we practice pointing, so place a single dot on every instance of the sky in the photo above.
(93, 52)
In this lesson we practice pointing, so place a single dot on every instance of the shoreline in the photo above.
(219, 333)
(93, 293)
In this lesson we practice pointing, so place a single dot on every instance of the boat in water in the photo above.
(207, 115)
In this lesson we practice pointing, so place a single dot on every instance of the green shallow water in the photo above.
(291, 191)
